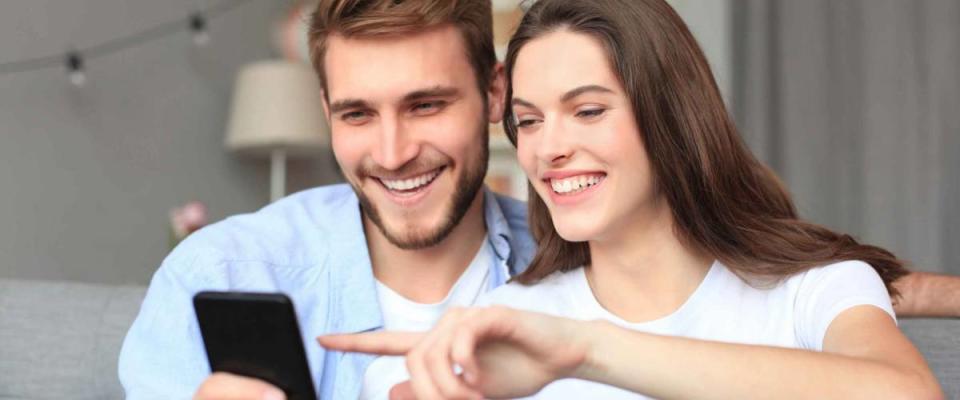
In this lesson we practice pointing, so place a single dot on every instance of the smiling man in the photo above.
(410, 88)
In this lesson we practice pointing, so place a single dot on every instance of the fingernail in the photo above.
(274, 394)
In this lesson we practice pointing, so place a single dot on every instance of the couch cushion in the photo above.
(61, 340)
(939, 341)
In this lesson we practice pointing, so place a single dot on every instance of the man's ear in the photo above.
(496, 93)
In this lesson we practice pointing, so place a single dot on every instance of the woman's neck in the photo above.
(643, 271)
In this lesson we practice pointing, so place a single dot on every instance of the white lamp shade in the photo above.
(277, 105)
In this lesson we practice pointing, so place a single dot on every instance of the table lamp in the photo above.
(277, 111)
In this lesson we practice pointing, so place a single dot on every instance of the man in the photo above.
(409, 88)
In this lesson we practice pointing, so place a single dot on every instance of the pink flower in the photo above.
(187, 219)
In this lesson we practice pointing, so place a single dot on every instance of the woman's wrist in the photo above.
(595, 337)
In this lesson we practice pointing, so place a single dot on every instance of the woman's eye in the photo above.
(523, 123)
(593, 112)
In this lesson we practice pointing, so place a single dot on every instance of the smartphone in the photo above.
(255, 335)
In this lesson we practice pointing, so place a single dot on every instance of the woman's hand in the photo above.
(502, 352)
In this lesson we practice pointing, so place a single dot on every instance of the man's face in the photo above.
(409, 130)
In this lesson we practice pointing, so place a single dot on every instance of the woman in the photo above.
(670, 262)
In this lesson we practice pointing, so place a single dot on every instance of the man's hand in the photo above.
(224, 386)
(503, 353)
(928, 295)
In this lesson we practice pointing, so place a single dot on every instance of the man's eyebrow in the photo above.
(346, 104)
(436, 91)
(583, 89)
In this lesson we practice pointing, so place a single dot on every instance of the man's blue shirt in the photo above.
(311, 246)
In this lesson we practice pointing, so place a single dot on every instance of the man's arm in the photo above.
(163, 355)
(925, 294)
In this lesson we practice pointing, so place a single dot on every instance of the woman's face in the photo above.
(577, 137)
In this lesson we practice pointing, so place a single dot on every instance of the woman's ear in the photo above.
(496, 93)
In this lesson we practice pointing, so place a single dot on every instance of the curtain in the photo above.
(856, 105)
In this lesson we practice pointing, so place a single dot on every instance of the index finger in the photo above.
(382, 343)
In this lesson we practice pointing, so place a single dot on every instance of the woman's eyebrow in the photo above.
(583, 89)
(569, 95)
(521, 102)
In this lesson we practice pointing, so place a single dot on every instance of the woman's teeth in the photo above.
(412, 183)
(575, 184)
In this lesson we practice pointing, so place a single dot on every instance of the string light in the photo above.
(198, 25)
(74, 64)
(75, 60)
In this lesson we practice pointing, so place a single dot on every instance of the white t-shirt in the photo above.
(795, 313)
(401, 314)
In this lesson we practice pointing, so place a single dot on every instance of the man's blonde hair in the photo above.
(372, 18)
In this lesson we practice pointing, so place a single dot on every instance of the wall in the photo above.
(88, 174)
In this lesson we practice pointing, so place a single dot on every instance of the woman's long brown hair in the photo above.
(723, 200)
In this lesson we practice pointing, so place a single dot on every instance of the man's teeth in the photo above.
(574, 183)
(412, 183)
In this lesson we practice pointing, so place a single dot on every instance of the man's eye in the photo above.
(593, 112)
(353, 116)
(428, 107)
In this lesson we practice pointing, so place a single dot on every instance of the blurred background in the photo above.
(115, 113)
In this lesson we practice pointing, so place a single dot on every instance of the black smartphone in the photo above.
(255, 335)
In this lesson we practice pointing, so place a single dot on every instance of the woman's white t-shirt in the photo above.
(794, 313)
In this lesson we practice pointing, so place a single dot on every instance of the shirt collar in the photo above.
(498, 229)
(353, 297)
(351, 273)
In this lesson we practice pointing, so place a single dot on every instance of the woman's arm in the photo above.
(865, 356)
(925, 294)
(511, 353)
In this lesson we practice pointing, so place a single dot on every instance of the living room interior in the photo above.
(127, 125)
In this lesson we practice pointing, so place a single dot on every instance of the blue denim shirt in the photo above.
(310, 246)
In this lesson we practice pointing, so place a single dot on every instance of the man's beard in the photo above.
(467, 184)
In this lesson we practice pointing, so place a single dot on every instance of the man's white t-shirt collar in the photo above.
(402, 314)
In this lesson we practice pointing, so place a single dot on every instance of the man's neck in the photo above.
(427, 275)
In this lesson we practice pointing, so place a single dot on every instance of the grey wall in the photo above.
(87, 175)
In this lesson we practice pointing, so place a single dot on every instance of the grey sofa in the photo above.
(61, 340)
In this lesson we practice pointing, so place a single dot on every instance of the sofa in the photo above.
(60, 340)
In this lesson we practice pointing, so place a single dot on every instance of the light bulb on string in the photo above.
(75, 72)
(198, 27)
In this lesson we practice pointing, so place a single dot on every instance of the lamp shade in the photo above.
(277, 106)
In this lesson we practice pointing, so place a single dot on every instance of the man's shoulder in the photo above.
(515, 213)
(294, 231)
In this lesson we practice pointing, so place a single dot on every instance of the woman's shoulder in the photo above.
(835, 282)
(823, 293)
(852, 272)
